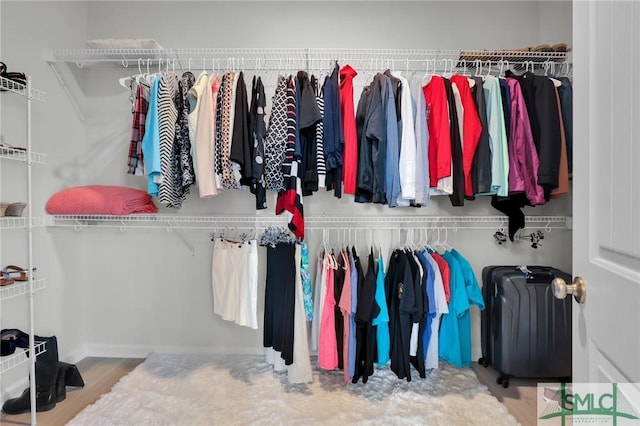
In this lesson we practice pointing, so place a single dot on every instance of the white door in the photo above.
(606, 179)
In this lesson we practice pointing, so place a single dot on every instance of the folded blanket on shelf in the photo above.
(100, 199)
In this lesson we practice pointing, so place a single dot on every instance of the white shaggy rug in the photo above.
(239, 390)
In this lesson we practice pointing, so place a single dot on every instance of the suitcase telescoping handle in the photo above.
(541, 277)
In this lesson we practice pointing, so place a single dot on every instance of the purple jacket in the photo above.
(523, 158)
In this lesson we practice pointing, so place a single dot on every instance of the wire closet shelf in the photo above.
(170, 222)
(310, 59)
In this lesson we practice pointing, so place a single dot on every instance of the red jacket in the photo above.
(471, 130)
(350, 154)
(439, 134)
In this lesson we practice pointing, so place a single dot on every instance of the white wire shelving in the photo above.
(19, 154)
(65, 62)
(19, 288)
(15, 222)
(169, 222)
(20, 357)
(21, 89)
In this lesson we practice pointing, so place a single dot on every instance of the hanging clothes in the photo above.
(168, 190)
(332, 134)
(418, 314)
(151, 142)
(435, 94)
(290, 199)
(234, 272)
(183, 161)
(563, 168)
(305, 274)
(202, 130)
(523, 158)
(242, 146)
(457, 173)
(497, 138)
(565, 91)
(481, 167)
(472, 131)
(392, 172)
(320, 289)
(309, 118)
(422, 142)
(366, 312)
(541, 100)
(135, 161)
(320, 163)
(258, 132)
(372, 144)
(276, 140)
(400, 302)
(350, 149)
(348, 330)
(381, 322)
(227, 95)
(407, 145)
(327, 340)
(341, 275)
(279, 300)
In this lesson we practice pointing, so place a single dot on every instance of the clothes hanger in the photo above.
(445, 244)
(547, 66)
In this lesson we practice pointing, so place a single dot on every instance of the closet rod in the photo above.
(312, 221)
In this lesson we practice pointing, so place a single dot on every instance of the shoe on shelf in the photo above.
(15, 209)
(3, 207)
(5, 279)
(16, 270)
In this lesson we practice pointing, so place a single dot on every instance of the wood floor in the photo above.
(100, 374)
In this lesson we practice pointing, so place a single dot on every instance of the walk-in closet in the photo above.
(283, 212)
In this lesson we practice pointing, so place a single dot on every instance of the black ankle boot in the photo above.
(46, 380)
(45, 401)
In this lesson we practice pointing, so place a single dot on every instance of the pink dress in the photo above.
(327, 344)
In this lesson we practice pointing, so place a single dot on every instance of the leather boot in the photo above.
(68, 375)
(72, 376)
(46, 375)
(61, 384)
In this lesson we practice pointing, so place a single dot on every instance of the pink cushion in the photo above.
(100, 199)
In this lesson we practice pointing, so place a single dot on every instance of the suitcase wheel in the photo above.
(483, 362)
(503, 380)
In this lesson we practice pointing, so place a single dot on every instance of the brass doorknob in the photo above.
(578, 289)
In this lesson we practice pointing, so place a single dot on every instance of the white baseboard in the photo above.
(14, 390)
(142, 351)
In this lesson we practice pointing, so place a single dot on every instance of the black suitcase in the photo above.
(525, 330)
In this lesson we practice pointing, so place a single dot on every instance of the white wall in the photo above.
(26, 28)
(142, 290)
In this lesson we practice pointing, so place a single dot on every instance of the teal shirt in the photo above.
(382, 320)
(449, 339)
(151, 142)
(474, 296)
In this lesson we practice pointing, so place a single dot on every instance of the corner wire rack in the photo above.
(21, 89)
(20, 357)
(170, 222)
(17, 154)
(19, 288)
(18, 222)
